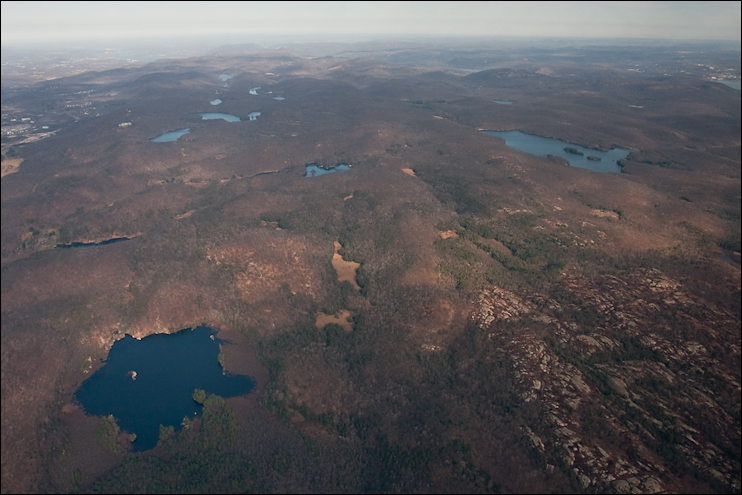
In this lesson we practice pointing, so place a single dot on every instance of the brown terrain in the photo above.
(488, 320)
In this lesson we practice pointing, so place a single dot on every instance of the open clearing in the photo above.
(346, 270)
(342, 318)
(10, 165)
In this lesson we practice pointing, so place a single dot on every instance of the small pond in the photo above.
(215, 102)
(313, 170)
(225, 77)
(223, 116)
(171, 136)
(254, 91)
(279, 98)
(86, 244)
(577, 156)
(147, 383)
(500, 102)
(253, 115)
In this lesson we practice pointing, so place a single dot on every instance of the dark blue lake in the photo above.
(168, 369)
(595, 160)
(86, 244)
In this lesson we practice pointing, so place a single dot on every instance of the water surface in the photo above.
(313, 170)
(215, 102)
(168, 369)
(224, 77)
(595, 160)
(732, 84)
(223, 116)
(279, 98)
(500, 102)
(171, 136)
(86, 244)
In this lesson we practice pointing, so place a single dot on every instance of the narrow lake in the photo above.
(577, 156)
(171, 136)
(86, 244)
(167, 369)
(313, 170)
(223, 116)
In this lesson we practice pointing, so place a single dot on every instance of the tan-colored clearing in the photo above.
(449, 234)
(607, 214)
(437, 117)
(350, 196)
(10, 165)
(346, 270)
(342, 318)
(186, 214)
(200, 183)
(409, 171)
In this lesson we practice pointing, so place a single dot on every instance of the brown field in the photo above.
(10, 165)
(518, 325)
(346, 270)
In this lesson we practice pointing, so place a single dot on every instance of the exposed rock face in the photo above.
(629, 391)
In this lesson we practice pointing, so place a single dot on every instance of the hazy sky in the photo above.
(40, 22)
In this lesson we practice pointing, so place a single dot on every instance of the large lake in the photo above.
(578, 157)
(168, 369)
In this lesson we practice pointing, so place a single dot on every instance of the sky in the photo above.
(54, 22)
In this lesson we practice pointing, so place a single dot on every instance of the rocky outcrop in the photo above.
(626, 399)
